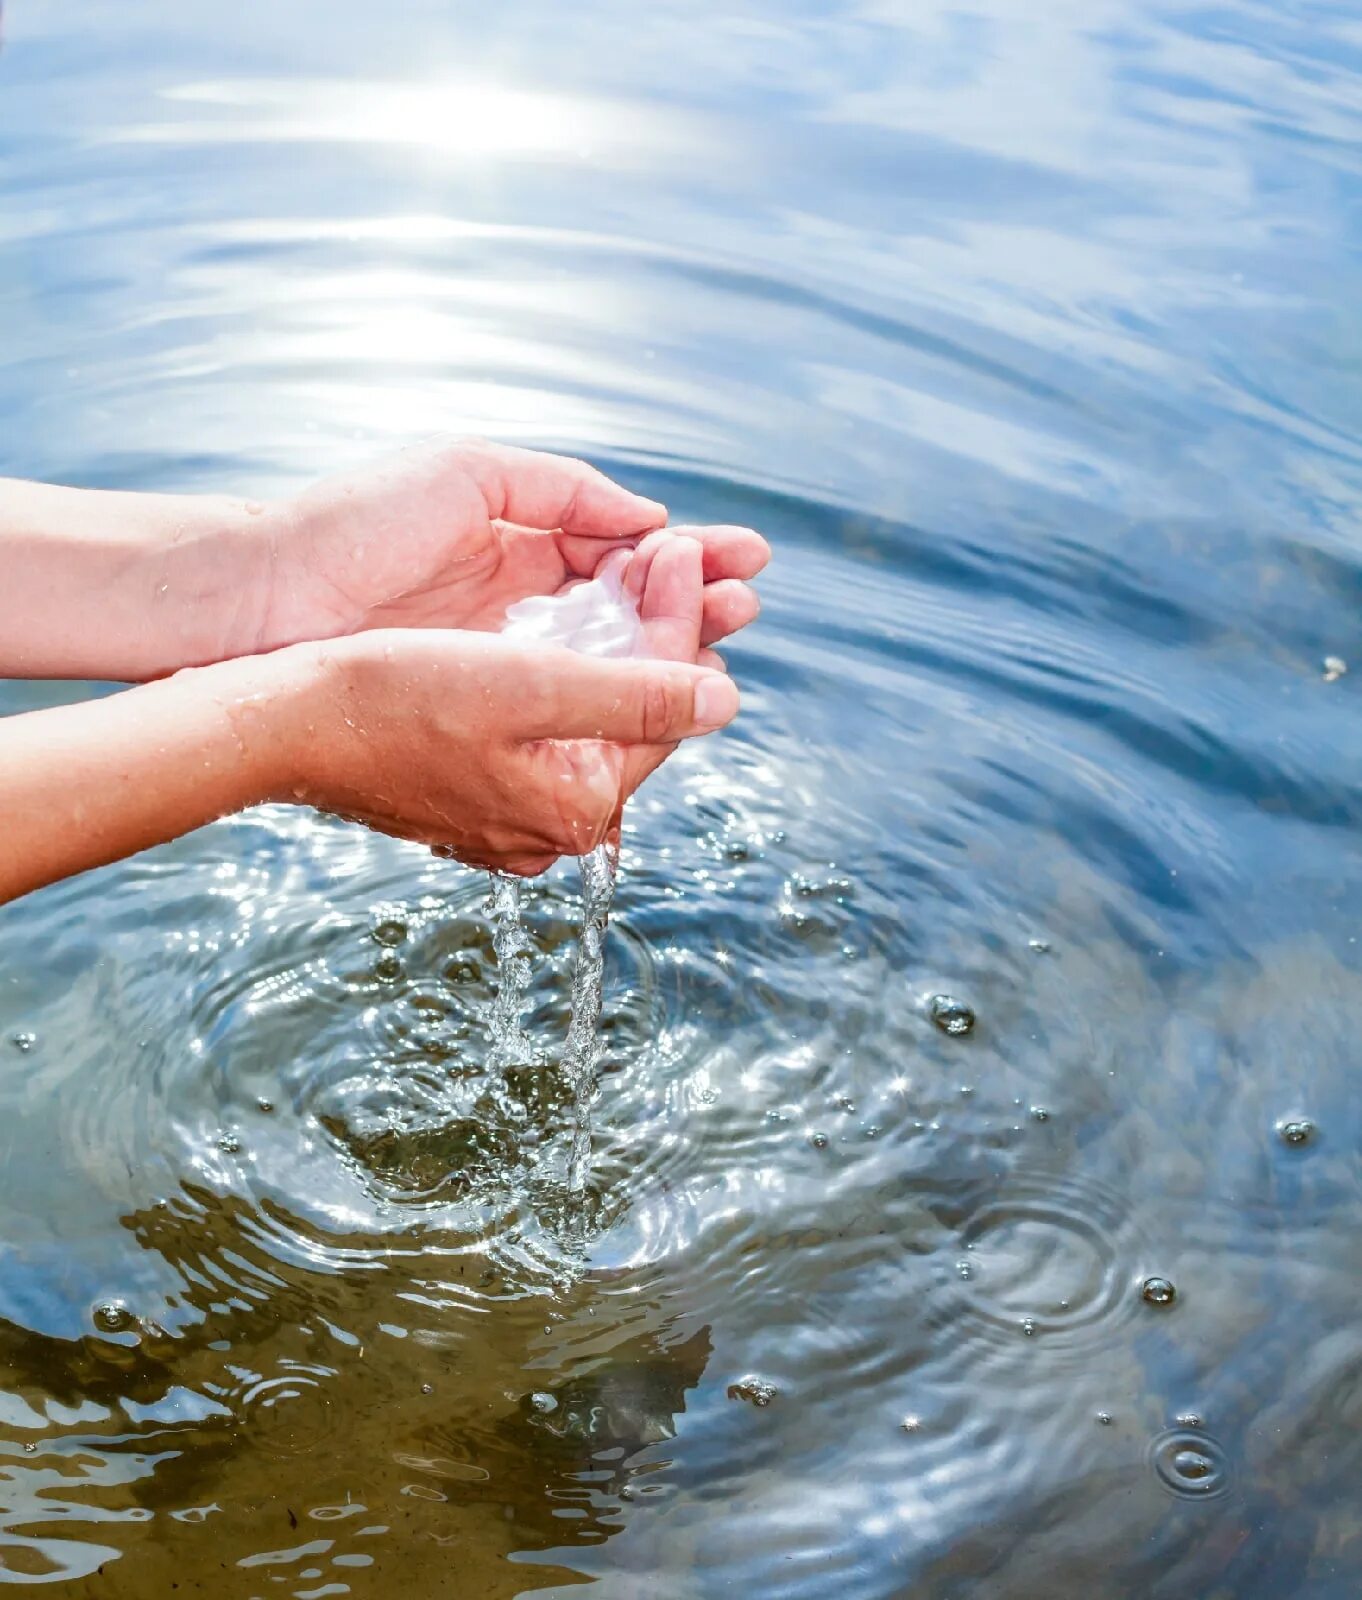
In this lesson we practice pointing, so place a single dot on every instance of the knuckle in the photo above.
(658, 715)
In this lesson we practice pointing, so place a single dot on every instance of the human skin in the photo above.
(499, 755)
(445, 535)
(408, 715)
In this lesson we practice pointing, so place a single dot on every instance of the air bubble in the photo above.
(387, 969)
(1190, 1463)
(1334, 667)
(1297, 1131)
(952, 1016)
(1104, 1417)
(543, 1403)
(756, 1391)
(390, 931)
(1039, 1114)
(24, 1041)
(229, 1144)
(819, 1141)
(263, 1105)
(1040, 947)
(113, 1316)
(911, 1424)
(1158, 1292)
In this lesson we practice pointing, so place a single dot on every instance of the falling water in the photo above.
(581, 1053)
(510, 1043)
(596, 619)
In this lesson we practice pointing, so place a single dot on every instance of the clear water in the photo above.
(1031, 335)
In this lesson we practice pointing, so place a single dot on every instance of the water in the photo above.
(512, 948)
(1030, 335)
(581, 1052)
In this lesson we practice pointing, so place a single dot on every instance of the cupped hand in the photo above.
(449, 534)
(497, 754)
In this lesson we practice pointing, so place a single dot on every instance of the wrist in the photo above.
(271, 710)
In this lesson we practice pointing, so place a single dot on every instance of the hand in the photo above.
(448, 535)
(484, 750)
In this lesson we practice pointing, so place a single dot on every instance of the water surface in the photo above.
(1031, 336)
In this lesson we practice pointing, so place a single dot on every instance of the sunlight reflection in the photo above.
(450, 119)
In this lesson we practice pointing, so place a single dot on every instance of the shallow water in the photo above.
(1031, 336)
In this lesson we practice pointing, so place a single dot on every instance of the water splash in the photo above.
(595, 618)
(506, 1027)
(581, 1054)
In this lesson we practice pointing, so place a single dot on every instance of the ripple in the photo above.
(1043, 1258)
(289, 1413)
(1191, 1464)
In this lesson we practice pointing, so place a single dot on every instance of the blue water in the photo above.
(1032, 337)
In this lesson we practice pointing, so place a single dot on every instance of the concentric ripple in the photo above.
(1190, 1463)
(1044, 1257)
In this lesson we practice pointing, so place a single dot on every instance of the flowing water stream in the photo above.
(974, 1203)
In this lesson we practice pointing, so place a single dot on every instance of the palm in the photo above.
(501, 564)
(450, 536)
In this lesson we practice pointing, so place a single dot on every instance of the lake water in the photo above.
(1031, 334)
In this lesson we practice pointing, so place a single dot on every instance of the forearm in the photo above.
(126, 586)
(84, 785)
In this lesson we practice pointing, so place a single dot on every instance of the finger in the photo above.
(570, 696)
(538, 490)
(640, 565)
(713, 660)
(527, 866)
(729, 552)
(672, 602)
(728, 606)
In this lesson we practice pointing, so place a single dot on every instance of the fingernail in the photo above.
(716, 701)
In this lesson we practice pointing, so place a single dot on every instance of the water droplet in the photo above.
(1028, 1327)
(1334, 668)
(427, 1388)
(964, 1269)
(1041, 947)
(1189, 1419)
(24, 1041)
(1104, 1417)
(871, 1131)
(113, 1316)
(1299, 1130)
(911, 1424)
(387, 969)
(626, 1492)
(1158, 1292)
(264, 1105)
(229, 1144)
(819, 1141)
(543, 1402)
(1192, 1464)
(951, 1016)
(756, 1391)
(30, 1448)
(1039, 1114)
(390, 931)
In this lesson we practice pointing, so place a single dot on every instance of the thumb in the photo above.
(625, 701)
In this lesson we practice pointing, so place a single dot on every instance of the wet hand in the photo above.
(449, 534)
(498, 755)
